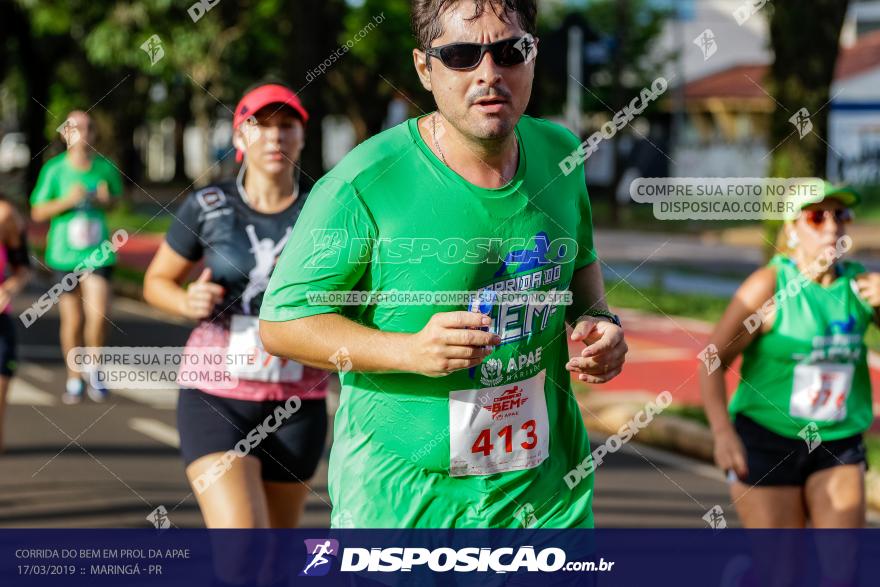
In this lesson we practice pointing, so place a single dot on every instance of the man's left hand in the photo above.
(602, 359)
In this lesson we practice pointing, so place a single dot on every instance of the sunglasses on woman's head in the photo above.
(465, 56)
(817, 218)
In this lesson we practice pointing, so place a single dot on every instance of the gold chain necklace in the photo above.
(436, 142)
(440, 151)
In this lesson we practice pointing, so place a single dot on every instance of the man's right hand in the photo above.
(451, 341)
(201, 296)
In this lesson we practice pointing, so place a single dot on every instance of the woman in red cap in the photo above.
(252, 426)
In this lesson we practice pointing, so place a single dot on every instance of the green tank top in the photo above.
(811, 367)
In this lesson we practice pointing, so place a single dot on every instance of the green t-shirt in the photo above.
(486, 447)
(810, 371)
(74, 235)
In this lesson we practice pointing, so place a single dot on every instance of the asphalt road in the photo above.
(112, 464)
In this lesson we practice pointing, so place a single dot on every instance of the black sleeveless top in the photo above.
(239, 244)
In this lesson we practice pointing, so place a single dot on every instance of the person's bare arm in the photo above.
(163, 286)
(11, 228)
(49, 210)
(587, 292)
(605, 349)
(448, 342)
(868, 285)
(730, 338)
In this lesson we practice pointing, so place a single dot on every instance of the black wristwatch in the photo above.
(614, 318)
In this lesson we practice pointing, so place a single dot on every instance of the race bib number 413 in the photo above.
(498, 429)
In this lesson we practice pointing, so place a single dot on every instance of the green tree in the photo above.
(378, 66)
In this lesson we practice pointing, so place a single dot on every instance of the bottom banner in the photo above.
(275, 558)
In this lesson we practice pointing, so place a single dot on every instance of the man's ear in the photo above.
(423, 69)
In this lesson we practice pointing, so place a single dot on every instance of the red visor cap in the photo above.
(261, 97)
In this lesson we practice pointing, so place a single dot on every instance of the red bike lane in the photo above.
(663, 356)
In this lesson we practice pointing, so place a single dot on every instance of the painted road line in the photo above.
(657, 455)
(141, 310)
(163, 399)
(37, 371)
(22, 393)
(156, 430)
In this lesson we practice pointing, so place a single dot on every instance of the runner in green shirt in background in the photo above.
(450, 418)
(791, 438)
(72, 192)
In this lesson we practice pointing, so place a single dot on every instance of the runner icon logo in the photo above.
(319, 554)
(327, 244)
(710, 358)
(506, 404)
(342, 359)
(810, 434)
(707, 44)
(154, 49)
(159, 518)
(526, 516)
(801, 121)
(526, 46)
(715, 518)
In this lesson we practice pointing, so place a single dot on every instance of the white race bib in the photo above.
(820, 391)
(83, 232)
(244, 340)
(498, 429)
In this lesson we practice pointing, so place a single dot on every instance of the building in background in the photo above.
(727, 117)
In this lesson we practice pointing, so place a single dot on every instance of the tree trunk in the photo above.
(182, 117)
(805, 39)
(310, 46)
(37, 70)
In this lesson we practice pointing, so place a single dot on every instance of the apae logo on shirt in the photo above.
(526, 364)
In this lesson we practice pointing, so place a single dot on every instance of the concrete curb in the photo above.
(607, 413)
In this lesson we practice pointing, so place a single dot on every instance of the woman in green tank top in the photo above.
(791, 437)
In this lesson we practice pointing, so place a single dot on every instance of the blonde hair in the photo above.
(782, 244)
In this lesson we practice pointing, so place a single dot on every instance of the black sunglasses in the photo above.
(465, 56)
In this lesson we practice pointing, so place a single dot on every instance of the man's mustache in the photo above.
(483, 92)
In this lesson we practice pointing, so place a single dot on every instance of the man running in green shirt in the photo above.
(73, 190)
(449, 417)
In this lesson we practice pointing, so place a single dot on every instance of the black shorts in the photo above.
(8, 357)
(778, 460)
(211, 424)
(105, 272)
